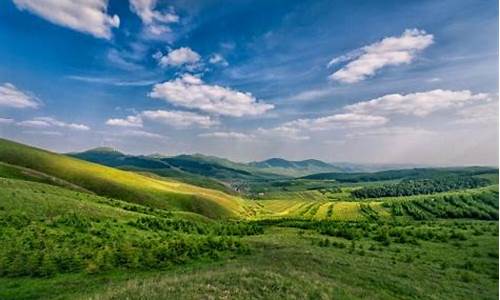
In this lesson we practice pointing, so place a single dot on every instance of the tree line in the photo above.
(420, 186)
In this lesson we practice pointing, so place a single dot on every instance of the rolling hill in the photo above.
(127, 186)
(207, 171)
(294, 168)
(74, 229)
(211, 171)
(151, 164)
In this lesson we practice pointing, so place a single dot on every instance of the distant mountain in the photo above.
(295, 168)
(205, 169)
(197, 169)
(113, 158)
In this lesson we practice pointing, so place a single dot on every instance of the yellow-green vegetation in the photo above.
(125, 185)
(313, 210)
(288, 262)
(76, 230)
(47, 230)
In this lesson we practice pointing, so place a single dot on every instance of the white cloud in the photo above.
(139, 133)
(112, 81)
(10, 96)
(175, 118)
(346, 57)
(48, 122)
(6, 121)
(217, 59)
(391, 131)
(227, 135)
(347, 120)
(343, 120)
(43, 132)
(191, 92)
(130, 121)
(310, 95)
(180, 57)
(390, 51)
(486, 114)
(299, 129)
(178, 118)
(286, 131)
(418, 104)
(156, 22)
(85, 16)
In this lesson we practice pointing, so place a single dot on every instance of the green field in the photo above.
(71, 229)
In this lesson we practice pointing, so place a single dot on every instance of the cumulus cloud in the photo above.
(178, 118)
(180, 57)
(130, 121)
(217, 59)
(191, 92)
(48, 122)
(390, 51)
(85, 16)
(371, 118)
(10, 96)
(418, 104)
(227, 135)
(174, 118)
(156, 22)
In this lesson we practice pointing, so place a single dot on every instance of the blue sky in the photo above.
(359, 81)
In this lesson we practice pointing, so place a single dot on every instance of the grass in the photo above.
(288, 263)
(127, 186)
(76, 230)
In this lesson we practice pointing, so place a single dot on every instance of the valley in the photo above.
(104, 225)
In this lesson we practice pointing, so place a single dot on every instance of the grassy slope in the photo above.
(286, 266)
(36, 200)
(287, 263)
(124, 185)
(115, 159)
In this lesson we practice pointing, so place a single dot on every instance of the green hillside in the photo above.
(47, 230)
(113, 158)
(71, 229)
(294, 168)
(201, 170)
(127, 186)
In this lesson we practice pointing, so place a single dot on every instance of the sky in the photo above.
(342, 81)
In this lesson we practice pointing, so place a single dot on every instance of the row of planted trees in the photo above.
(420, 186)
(72, 243)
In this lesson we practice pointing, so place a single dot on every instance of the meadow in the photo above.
(71, 229)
